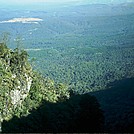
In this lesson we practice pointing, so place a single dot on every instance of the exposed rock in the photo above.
(15, 81)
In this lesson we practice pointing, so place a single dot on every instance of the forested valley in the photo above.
(75, 65)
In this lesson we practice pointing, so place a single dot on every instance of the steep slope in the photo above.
(22, 89)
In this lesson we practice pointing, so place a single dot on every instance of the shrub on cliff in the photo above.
(21, 88)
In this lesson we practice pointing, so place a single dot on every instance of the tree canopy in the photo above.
(21, 88)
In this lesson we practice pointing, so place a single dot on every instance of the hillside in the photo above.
(25, 94)
(56, 56)
(22, 89)
(30, 102)
(84, 46)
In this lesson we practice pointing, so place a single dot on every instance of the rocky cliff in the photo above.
(21, 88)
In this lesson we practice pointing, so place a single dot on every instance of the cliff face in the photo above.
(20, 91)
(15, 79)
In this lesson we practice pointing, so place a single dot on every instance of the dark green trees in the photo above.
(15, 81)
(80, 113)
(22, 89)
(30, 102)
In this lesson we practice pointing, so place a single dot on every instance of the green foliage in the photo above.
(13, 67)
(87, 68)
(22, 89)
(45, 89)
(80, 113)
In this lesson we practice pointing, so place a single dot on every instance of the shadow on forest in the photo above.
(81, 113)
(117, 102)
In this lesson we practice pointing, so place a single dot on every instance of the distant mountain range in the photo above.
(40, 5)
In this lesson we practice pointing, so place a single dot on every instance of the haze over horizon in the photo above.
(14, 2)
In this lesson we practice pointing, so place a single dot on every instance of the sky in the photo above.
(49, 3)
(63, 1)
(31, 1)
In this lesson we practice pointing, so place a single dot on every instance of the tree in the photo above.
(21, 88)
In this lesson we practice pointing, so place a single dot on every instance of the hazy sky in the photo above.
(31, 1)
(61, 1)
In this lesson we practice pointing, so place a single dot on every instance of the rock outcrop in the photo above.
(15, 80)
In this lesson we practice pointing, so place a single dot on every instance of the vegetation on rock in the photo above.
(21, 88)
(80, 113)
(25, 93)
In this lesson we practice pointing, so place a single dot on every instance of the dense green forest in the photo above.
(88, 68)
(27, 96)
(75, 66)
(100, 51)
(31, 102)
(22, 89)
(84, 46)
